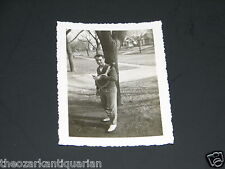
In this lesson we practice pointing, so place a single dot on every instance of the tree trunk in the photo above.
(97, 47)
(87, 52)
(70, 56)
(139, 45)
(109, 47)
(69, 50)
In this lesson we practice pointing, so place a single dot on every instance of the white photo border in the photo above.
(166, 116)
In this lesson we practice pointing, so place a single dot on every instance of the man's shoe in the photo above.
(112, 127)
(106, 119)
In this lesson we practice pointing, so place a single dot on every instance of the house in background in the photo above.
(129, 42)
(143, 38)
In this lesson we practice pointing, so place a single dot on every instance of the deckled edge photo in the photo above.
(63, 121)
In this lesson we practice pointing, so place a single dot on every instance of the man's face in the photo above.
(100, 61)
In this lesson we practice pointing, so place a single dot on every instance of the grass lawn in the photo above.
(147, 58)
(84, 66)
(138, 116)
(133, 56)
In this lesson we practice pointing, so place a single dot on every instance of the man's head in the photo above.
(100, 59)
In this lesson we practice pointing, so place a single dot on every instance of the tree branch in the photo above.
(92, 35)
(76, 36)
(87, 40)
(68, 31)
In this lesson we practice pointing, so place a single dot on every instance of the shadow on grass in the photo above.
(81, 103)
(138, 116)
(88, 122)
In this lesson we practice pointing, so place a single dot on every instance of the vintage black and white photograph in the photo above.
(112, 85)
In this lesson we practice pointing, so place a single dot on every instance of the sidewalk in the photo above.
(86, 81)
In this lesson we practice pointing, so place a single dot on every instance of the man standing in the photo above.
(106, 88)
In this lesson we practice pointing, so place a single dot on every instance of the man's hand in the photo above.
(94, 77)
(97, 77)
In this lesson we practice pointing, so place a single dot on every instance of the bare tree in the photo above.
(138, 39)
(95, 37)
(75, 36)
(86, 44)
(88, 38)
(69, 50)
(110, 43)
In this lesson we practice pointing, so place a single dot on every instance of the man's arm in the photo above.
(97, 87)
(112, 76)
